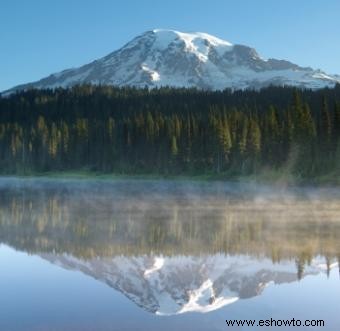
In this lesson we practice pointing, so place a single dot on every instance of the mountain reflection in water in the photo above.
(175, 247)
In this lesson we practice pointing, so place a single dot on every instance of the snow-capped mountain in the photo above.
(180, 284)
(171, 58)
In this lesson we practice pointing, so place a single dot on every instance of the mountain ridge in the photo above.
(181, 284)
(164, 57)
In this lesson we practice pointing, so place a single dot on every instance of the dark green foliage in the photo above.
(170, 131)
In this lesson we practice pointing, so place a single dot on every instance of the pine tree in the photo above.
(243, 137)
(326, 128)
(254, 138)
(325, 141)
(225, 139)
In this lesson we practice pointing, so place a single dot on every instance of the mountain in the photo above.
(180, 284)
(171, 58)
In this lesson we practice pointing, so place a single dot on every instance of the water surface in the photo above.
(153, 255)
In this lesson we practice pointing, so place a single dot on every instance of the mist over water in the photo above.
(176, 248)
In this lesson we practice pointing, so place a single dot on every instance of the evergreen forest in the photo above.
(171, 131)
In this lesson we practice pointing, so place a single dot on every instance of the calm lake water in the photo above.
(153, 255)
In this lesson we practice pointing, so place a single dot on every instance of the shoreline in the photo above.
(270, 178)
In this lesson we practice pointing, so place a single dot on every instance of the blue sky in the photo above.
(39, 37)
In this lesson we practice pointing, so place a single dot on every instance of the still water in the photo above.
(153, 255)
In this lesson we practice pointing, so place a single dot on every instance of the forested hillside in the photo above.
(171, 131)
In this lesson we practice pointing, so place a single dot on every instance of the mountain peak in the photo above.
(190, 37)
(163, 57)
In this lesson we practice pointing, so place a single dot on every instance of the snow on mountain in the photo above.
(172, 58)
(180, 284)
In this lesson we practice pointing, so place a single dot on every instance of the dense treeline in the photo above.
(171, 131)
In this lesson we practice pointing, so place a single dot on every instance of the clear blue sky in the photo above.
(39, 37)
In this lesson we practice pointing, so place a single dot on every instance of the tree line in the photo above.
(171, 131)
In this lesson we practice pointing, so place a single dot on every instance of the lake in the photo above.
(166, 255)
